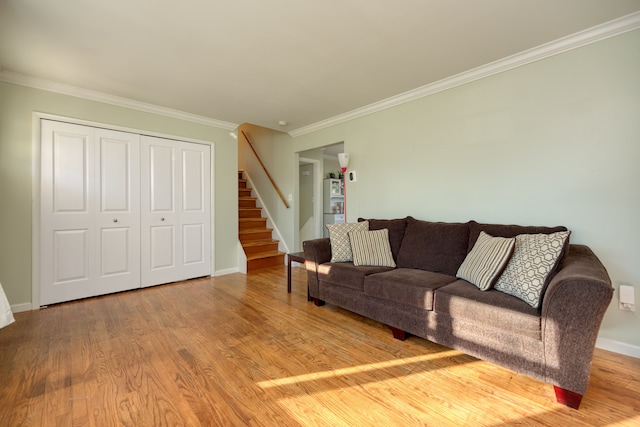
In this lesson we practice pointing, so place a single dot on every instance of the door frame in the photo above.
(317, 191)
(35, 187)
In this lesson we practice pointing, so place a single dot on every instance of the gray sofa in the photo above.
(421, 296)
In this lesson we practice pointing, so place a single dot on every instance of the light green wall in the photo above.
(17, 104)
(553, 142)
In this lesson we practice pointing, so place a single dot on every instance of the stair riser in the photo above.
(252, 237)
(243, 226)
(254, 213)
(247, 203)
(244, 192)
(276, 260)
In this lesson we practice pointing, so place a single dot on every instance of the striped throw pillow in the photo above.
(371, 248)
(486, 261)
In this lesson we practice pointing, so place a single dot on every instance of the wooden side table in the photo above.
(294, 257)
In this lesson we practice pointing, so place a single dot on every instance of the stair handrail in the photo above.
(264, 168)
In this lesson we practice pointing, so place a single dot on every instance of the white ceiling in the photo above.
(261, 62)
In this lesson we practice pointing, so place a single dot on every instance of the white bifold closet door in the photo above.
(176, 215)
(89, 212)
(119, 211)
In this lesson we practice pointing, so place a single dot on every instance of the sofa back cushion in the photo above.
(396, 229)
(434, 246)
(501, 230)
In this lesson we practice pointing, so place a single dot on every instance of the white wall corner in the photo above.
(242, 259)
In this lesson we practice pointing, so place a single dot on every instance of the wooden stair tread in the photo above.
(260, 255)
(255, 230)
(260, 242)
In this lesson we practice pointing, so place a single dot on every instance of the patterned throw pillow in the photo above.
(486, 260)
(339, 237)
(371, 248)
(535, 258)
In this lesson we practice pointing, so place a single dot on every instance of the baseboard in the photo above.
(618, 347)
(17, 308)
(226, 271)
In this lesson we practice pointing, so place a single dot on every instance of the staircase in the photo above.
(261, 250)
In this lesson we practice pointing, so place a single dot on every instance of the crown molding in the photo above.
(92, 95)
(601, 32)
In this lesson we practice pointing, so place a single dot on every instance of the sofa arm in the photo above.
(316, 252)
(572, 310)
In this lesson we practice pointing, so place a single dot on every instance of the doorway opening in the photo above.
(314, 167)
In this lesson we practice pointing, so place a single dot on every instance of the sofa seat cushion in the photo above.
(346, 274)
(464, 301)
(434, 246)
(406, 286)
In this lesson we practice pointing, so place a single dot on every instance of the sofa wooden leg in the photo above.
(398, 334)
(318, 302)
(567, 397)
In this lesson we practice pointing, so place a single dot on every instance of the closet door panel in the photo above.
(162, 179)
(67, 212)
(163, 243)
(161, 237)
(118, 218)
(89, 212)
(193, 244)
(71, 256)
(175, 210)
(195, 213)
(115, 243)
(115, 176)
(68, 167)
(193, 181)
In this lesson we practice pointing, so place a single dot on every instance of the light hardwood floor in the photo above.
(238, 350)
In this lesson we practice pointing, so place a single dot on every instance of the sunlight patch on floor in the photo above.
(355, 369)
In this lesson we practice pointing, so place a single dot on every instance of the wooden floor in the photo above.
(238, 350)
